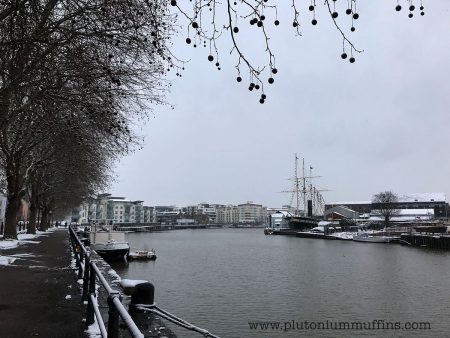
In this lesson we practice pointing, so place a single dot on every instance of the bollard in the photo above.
(113, 317)
(144, 293)
(141, 291)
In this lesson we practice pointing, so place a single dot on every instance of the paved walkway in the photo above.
(39, 295)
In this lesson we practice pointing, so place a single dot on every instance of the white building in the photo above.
(250, 213)
(276, 220)
(246, 213)
(210, 210)
(108, 209)
(228, 214)
(149, 215)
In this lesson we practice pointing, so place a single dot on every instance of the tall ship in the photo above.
(309, 203)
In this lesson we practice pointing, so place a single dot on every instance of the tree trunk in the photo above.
(13, 202)
(44, 220)
(33, 210)
(32, 223)
(12, 208)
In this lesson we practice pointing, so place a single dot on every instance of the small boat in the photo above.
(365, 237)
(142, 255)
(268, 231)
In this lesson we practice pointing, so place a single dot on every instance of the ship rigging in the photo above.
(309, 203)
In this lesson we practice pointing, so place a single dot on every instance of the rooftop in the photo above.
(412, 197)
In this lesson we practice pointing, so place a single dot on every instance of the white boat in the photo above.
(142, 255)
(109, 244)
(365, 237)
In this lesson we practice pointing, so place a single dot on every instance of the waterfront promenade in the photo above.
(39, 295)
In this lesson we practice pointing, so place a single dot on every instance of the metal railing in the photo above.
(90, 273)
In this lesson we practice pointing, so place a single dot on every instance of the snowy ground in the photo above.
(22, 238)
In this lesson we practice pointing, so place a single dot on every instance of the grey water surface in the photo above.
(224, 280)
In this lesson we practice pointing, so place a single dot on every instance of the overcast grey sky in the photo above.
(381, 123)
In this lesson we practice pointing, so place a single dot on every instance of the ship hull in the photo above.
(112, 250)
(301, 223)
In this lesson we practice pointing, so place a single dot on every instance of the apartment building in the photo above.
(204, 209)
(106, 209)
(228, 214)
(246, 213)
(250, 213)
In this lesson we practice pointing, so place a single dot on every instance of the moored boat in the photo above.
(268, 231)
(368, 238)
(111, 250)
(109, 244)
(142, 255)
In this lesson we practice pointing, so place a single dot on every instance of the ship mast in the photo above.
(305, 190)
(296, 185)
(312, 191)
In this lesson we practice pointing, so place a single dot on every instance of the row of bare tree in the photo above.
(74, 76)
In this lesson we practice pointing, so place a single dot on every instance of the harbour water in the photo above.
(222, 279)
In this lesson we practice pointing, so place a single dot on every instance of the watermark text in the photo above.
(305, 325)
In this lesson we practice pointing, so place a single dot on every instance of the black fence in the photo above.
(90, 273)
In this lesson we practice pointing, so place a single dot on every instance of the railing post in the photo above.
(76, 252)
(91, 279)
(90, 312)
(82, 253)
(80, 263)
(86, 279)
(74, 247)
(113, 317)
(90, 307)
